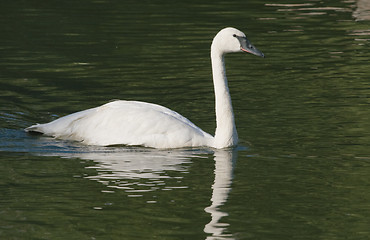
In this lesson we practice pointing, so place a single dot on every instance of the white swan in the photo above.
(151, 125)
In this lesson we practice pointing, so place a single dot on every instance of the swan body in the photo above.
(151, 125)
(126, 122)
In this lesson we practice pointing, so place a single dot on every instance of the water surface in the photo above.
(301, 170)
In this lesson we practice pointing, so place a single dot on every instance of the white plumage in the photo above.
(151, 125)
(127, 122)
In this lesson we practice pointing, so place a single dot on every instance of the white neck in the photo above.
(226, 134)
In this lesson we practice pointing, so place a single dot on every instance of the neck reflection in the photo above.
(224, 161)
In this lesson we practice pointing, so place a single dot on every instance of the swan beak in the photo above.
(247, 46)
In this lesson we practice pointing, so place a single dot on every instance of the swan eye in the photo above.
(234, 35)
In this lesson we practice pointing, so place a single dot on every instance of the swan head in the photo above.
(230, 40)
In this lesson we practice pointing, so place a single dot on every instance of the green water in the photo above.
(301, 170)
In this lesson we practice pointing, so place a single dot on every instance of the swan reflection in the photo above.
(152, 166)
(136, 170)
(224, 162)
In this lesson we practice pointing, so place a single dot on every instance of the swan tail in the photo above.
(34, 129)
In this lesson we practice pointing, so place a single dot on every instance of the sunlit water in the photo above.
(301, 170)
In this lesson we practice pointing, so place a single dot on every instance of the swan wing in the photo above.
(129, 123)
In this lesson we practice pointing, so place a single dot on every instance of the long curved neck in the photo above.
(226, 134)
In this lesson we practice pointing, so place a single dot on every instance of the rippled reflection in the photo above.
(132, 169)
(137, 170)
(307, 8)
(118, 168)
(224, 160)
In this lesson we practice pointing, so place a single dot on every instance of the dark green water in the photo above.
(301, 170)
